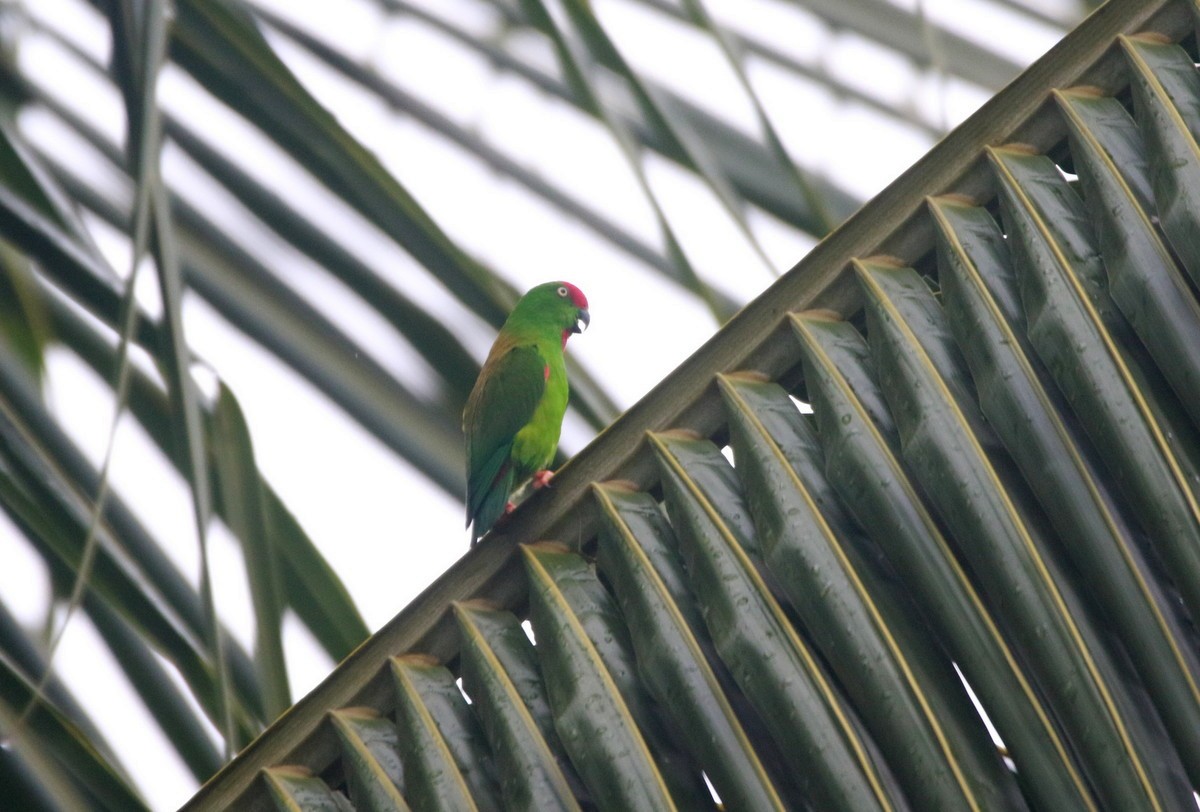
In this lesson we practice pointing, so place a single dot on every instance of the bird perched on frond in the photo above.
(515, 411)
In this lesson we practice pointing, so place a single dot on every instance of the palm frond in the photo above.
(967, 489)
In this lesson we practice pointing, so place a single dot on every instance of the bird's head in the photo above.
(558, 304)
(574, 295)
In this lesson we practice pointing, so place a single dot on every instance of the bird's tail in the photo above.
(492, 504)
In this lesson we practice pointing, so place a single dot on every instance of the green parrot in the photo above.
(515, 412)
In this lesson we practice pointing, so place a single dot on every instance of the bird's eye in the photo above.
(562, 292)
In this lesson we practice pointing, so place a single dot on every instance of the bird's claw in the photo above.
(541, 479)
(509, 507)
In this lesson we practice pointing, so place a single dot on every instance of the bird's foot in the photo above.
(541, 479)
(509, 507)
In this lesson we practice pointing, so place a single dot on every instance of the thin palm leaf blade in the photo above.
(602, 713)
(979, 289)
(864, 467)
(241, 493)
(220, 45)
(28, 181)
(904, 688)
(577, 52)
(310, 585)
(664, 117)
(371, 749)
(1001, 540)
(66, 259)
(1069, 315)
(185, 728)
(47, 729)
(140, 39)
(446, 766)
(295, 789)
(24, 322)
(638, 555)
(909, 34)
(1143, 278)
(500, 674)
(1166, 97)
(30, 781)
(25, 655)
(53, 510)
(843, 769)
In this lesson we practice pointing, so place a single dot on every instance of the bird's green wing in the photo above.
(503, 401)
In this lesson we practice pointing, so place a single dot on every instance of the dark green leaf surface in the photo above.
(440, 743)
(906, 691)
(1030, 419)
(593, 719)
(240, 487)
(1069, 318)
(863, 465)
(1143, 278)
(371, 749)
(635, 547)
(294, 789)
(842, 770)
(999, 538)
(24, 322)
(711, 474)
(1166, 98)
(500, 675)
